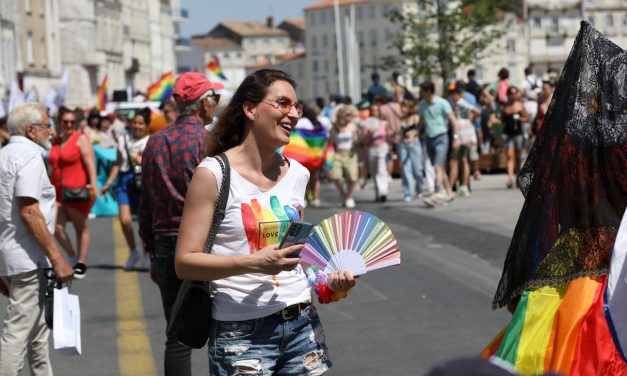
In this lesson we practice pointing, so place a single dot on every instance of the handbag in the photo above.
(75, 194)
(66, 329)
(190, 318)
(137, 175)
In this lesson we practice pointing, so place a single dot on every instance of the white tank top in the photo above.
(343, 138)
(254, 219)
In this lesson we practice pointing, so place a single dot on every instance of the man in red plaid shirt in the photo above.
(168, 163)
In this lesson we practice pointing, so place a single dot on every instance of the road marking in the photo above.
(134, 350)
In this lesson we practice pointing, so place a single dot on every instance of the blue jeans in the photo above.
(411, 163)
(177, 357)
(269, 346)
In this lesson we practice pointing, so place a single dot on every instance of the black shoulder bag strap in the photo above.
(190, 318)
(223, 196)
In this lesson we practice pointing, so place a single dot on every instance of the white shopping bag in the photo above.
(66, 322)
(466, 132)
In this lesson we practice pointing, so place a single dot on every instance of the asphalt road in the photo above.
(398, 321)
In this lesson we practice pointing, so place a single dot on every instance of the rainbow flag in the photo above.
(561, 329)
(161, 89)
(102, 94)
(329, 156)
(307, 147)
(213, 65)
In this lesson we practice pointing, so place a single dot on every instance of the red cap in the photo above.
(108, 115)
(189, 86)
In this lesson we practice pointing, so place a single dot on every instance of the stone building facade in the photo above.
(131, 41)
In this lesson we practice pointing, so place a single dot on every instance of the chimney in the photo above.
(270, 22)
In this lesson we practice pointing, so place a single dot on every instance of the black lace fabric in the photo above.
(575, 177)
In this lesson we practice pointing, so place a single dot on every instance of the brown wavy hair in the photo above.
(229, 130)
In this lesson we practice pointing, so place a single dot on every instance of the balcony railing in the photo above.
(180, 15)
(182, 44)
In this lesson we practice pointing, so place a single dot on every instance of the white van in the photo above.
(122, 109)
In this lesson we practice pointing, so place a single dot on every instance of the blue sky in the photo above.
(205, 14)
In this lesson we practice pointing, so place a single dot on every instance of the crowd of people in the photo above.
(433, 142)
(163, 175)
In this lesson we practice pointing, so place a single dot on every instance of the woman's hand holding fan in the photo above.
(341, 281)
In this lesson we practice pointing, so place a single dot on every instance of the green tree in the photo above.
(437, 37)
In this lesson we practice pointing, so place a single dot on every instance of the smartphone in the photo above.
(297, 233)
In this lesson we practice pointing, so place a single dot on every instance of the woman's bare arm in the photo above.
(89, 159)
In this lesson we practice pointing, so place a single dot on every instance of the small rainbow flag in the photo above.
(214, 67)
(102, 94)
(161, 89)
(307, 147)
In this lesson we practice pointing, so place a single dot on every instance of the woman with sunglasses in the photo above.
(73, 168)
(258, 291)
(513, 114)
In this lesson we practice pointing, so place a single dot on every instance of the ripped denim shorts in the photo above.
(270, 345)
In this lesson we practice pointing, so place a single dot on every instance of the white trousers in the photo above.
(429, 171)
(24, 330)
(377, 162)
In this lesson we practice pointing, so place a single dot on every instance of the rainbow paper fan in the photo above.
(354, 241)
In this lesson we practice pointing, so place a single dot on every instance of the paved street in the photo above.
(398, 321)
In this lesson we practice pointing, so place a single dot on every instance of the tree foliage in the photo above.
(437, 37)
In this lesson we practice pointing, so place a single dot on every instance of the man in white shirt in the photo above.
(27, 217)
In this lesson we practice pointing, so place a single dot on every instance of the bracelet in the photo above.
(318, 281)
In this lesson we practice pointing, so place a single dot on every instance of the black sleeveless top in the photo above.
(512, 126)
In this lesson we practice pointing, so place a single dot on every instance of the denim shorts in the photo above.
(512, 141)
(437, 149)
(269, 345)
(125, 190)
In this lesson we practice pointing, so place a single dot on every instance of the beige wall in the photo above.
(32, 36)
(8, 45)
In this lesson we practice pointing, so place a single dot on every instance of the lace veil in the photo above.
(574, 180)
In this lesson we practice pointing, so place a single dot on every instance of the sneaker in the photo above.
(419, 196)
(349, 203)
(133, 259)
(433, 202)
(463, 191)
(80, 270)
(408, 199)
(315, 203)
(145, 262)
(444, 197)
(477, 175)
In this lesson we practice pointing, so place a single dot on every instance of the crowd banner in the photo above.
(106, 206)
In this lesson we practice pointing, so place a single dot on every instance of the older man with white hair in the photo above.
(27, 217)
